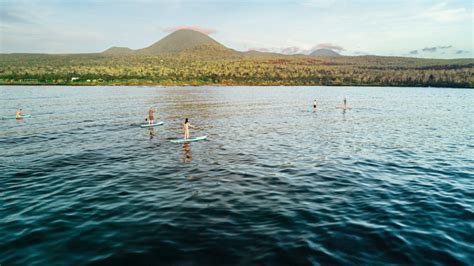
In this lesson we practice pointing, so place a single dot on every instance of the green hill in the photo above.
(118, 51)
(183, 41)
(209, 51)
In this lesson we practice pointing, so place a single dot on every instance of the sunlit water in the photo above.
(390, 181)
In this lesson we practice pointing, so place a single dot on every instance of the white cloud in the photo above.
(58, 39)
(443, 13)
(319, 3)
(203, 30)
(331, 46)
(298, 49)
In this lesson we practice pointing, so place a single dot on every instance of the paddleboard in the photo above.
(152, 125)
(14, 117)
(189, 140)
(342, 107)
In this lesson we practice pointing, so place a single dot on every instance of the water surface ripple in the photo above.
(388, 182)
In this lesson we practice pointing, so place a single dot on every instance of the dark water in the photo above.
(389, 182)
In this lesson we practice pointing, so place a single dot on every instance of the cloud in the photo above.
(299, 50)
(9, 17)
(293, 50)
(50, 39)
(266, 50)
(430, 49)
(435, 49)
(195, 28)
(329, 46)
(443, 13)
(360, 53)
(414, 52)
(462, 52)
(445, 47)
(319, 3)
(281, 50)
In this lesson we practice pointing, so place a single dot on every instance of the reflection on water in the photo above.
(177, 104)
(187, 153)
(388, 183)
(151, 132)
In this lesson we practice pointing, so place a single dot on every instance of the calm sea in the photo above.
(390, 181)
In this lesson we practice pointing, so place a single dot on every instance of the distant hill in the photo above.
(324, 52)
(184, 41)
(118, 51)
(190, 43)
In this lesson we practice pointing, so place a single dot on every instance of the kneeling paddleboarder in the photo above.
(18, 114)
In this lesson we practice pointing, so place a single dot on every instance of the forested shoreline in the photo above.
(255, 70)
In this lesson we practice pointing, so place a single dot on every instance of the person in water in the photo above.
(186, 127)
(19, 114)
(314, 105)
(151, 115)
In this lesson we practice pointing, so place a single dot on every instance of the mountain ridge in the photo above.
(179, 41)
(324, 52)
(183, 42)
(193, 43)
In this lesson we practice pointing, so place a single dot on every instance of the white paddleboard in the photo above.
(14, 117)
(189, 140)
(152, 125)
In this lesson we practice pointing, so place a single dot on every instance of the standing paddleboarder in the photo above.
(151, 115)
(314, 105)
(186, 127)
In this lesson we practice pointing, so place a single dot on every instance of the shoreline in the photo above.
(234, 85)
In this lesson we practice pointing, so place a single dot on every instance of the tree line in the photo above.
(96, 69)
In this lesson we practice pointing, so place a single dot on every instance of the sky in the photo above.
(417, 28)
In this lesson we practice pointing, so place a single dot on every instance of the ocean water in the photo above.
(390, 181)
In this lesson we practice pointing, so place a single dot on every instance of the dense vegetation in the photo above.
(236, 69)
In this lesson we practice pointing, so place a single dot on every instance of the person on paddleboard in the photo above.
(151, 115)
(314, 105)
(18, 114)
(344, 105)
(186, 127)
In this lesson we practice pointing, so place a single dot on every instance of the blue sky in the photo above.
(421, 28)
